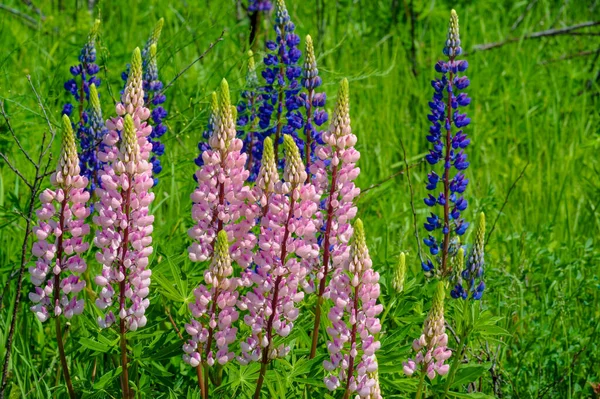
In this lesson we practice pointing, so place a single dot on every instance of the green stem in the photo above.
(421, 383)
(453, 370)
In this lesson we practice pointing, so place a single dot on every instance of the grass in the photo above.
(542, 260)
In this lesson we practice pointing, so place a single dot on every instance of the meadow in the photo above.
(533, 170)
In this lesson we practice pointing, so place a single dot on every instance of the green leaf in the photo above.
(107, 378)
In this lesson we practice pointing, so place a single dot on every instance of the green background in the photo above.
(534, 102)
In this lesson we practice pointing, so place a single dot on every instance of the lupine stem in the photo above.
(269, 329)
(447, 175)
(326, 254)
(203, 393)
(59, 337)
(352, 343)
(421, 383)
(122, 327)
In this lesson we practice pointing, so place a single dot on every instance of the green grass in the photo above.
(542, 260)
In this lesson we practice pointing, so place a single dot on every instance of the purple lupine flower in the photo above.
(60, 237)
(287, 252)
(281, 89)
(214, 311)
(247, 121)
(470, 278)
(314, 103)
(89, 134)
(354, 291)
(259, 6)
(221, 200)
(153, 97)
(448, 144)
(125, 224)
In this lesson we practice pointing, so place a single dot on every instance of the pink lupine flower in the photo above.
(60, 237)
(287, 249)
(431, 347)
(334, 172)
(354, 290)
(124, 237)
(221, 201)
(214, 311)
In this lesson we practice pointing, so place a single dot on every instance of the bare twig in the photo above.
(184, 70)
(510, 190)
(173, 322)
(50, 127)
(395, 174)
(412, 204)
(12, 132)
(571, 56)
(522, 16)
(535, 35)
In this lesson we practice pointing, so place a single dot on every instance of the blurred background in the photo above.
(535, 137)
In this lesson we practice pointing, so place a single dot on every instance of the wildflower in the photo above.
(333, 173)
(287, 249)
(281, 88)
(222, 201)
(431, 347)
(354, 291)
(448, 146)
(314, 103)
(472, 275)
(61, 237)
(125, 224)
(400, 273)
(247, 120)
(259, 6)
(88, 133)
(213, 311)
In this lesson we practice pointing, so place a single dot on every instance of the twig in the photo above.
(522, 16)
(210, 47)
(412, 204)
(395, 174)
(32, 22)
(50, 127)
(12, 132)
(535, 35)
(173, 323)
(510, 190)
(570, 56)
(15, 170)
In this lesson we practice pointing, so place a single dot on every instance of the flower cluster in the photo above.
(447, 148)
(247, 120)
(473, 273)
(90, 128)
(287, 250)
(400, 273)
(354, 291)
(221, 200)
(153, 97)
(259, 6)
(431, 347)
(60, 237)
(125, 224)
(213, 311)
(314, 103)
(281, 82)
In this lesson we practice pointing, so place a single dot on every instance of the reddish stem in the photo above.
(352, 342)
(326, 254)
(447, 177)
(122, 289)
(269, 329)
(56, 288)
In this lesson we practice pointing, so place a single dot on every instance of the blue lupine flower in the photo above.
(281, 91)
(448, 142)
(259, 6)
(82, 87)
(313, 103)
(248, 119)
(470, 279)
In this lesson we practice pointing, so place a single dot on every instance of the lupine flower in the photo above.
(125, 225)
(259, 6)
(84, 76)
(354, 291)
(210, 128)
(473, 273)
(60, 237)
(400, 273)
(221, 200)
(431, 347)
(213, 311)
(281, 83)
(247, 120)
(448, 149)
(97, 130)
(314, 103)
(333, 173)
(287, 250)
(153, 96)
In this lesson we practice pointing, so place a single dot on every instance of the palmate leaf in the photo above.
(108, 378)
